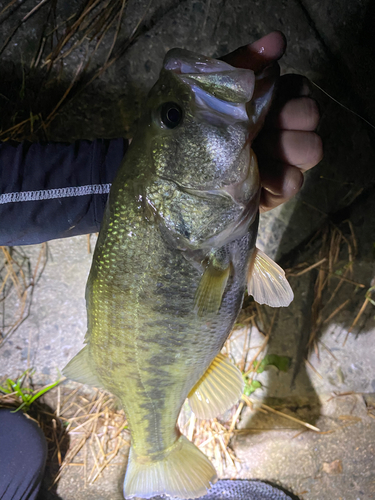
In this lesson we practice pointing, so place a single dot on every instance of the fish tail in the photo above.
(184, 472)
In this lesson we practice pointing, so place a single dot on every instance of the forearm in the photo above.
(55, 190)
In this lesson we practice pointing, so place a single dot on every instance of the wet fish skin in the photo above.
(185, 201)
(142, 287)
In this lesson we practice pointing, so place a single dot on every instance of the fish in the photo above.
(174, 256)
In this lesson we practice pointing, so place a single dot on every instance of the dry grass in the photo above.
(81, 35)
(334, 268)
(82, 430)
(97, 432)
(17, 282)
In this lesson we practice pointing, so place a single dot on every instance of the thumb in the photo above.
(259, 54)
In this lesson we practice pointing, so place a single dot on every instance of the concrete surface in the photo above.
(329, 42)
(57, 323)
(335, 465)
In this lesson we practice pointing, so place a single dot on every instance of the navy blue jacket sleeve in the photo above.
(55, 190)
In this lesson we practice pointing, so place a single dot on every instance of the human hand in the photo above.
(287, 146)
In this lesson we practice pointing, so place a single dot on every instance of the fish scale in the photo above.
(175, 253)
(161, 316)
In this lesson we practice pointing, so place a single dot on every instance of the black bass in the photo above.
(175, 253)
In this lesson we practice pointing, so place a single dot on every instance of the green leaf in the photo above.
(281, 362)
(26, 394)
(19, 408)
(5, 390)
(368, 295)
(253, 386)
(43, 391)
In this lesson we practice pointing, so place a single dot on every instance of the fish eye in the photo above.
(171, 114)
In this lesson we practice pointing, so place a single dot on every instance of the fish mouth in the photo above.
(208, 71)
(184, 61)
(220, 90)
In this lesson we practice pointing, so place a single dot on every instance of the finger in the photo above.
(259, 54)
(280, 182)
(292, 85)
(293, 147)
(301, 113)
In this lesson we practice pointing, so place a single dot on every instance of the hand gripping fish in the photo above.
(175, 253)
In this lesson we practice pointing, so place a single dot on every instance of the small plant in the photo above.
(26, 395)
(251, 386)
(368, 294)
(282, 363)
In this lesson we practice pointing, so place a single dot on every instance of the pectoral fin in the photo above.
(211, 288)
(79, 370)
(218, 390)
(267, 282)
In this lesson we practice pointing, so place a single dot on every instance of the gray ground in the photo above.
(331, 43)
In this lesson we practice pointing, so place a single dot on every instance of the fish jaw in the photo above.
(266, 83)
(184, 61)
(217, 77)
(220, 90)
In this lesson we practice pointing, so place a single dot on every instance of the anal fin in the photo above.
(218, 390)
(79, 370)
(267, 282)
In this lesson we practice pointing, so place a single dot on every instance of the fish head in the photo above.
(200, 120)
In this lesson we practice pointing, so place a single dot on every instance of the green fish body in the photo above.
(171, 265)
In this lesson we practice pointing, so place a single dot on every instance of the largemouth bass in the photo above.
(175, 253)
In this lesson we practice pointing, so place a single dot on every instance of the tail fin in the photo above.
(184, 472)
